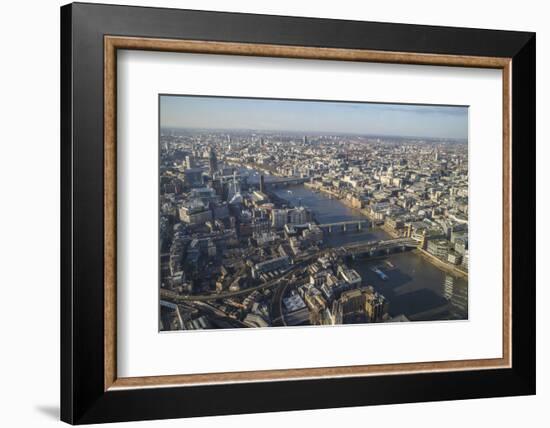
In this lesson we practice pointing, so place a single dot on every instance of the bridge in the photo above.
(344, 226)
(377, 248)
(285, 182)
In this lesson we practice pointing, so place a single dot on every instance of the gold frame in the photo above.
(113, 43)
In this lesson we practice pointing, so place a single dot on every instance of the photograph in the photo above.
(224, 174)
(247, 214)
(292, 212)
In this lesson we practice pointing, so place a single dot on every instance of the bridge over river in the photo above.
(373, 248)
(344, 226)
(277, 182)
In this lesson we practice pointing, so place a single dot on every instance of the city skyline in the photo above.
(331, 117)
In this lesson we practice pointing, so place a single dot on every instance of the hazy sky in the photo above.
(313, 116)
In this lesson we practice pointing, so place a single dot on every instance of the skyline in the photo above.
(382, 119)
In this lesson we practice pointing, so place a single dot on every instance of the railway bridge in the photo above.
(377, 248)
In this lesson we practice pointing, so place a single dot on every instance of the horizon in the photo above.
(388, 120)
(313, 133)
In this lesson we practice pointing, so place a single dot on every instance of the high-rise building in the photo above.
(360, 305)
(278, 218)
(234, 188)
(376, 305)
(262, 184)
(190, 162)
(217, 185)
(298, 215)
(193, 177)
(213, 162)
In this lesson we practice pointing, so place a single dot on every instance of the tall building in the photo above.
(234, 188)
(190, 162)
(213, 162)
(376, 305)
(278, 218)
(193, 177)
(360, 305)
(262, 184)
(297, 215)
(217, 185)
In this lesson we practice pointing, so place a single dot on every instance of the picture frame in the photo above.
(91, 35)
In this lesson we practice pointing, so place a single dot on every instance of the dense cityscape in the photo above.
(261, 229)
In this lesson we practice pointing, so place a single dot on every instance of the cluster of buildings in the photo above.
(331, 293)
(258, 261)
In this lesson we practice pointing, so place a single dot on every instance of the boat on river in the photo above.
(381, 274)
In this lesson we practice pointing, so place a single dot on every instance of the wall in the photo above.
(29, 177)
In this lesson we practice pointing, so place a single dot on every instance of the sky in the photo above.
(406, 120)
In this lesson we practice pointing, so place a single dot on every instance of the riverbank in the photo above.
(317, 188)
(447, 267)
(390, 231)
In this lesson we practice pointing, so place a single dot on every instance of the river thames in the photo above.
(415, 287)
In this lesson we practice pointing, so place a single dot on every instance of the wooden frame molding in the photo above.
(113, 43)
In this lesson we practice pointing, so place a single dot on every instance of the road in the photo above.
(277, 317)
(175, 298)
(215, 313)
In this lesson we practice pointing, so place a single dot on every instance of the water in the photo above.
(415, 287)
(330, 210)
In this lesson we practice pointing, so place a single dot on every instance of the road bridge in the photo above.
(344, 226)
